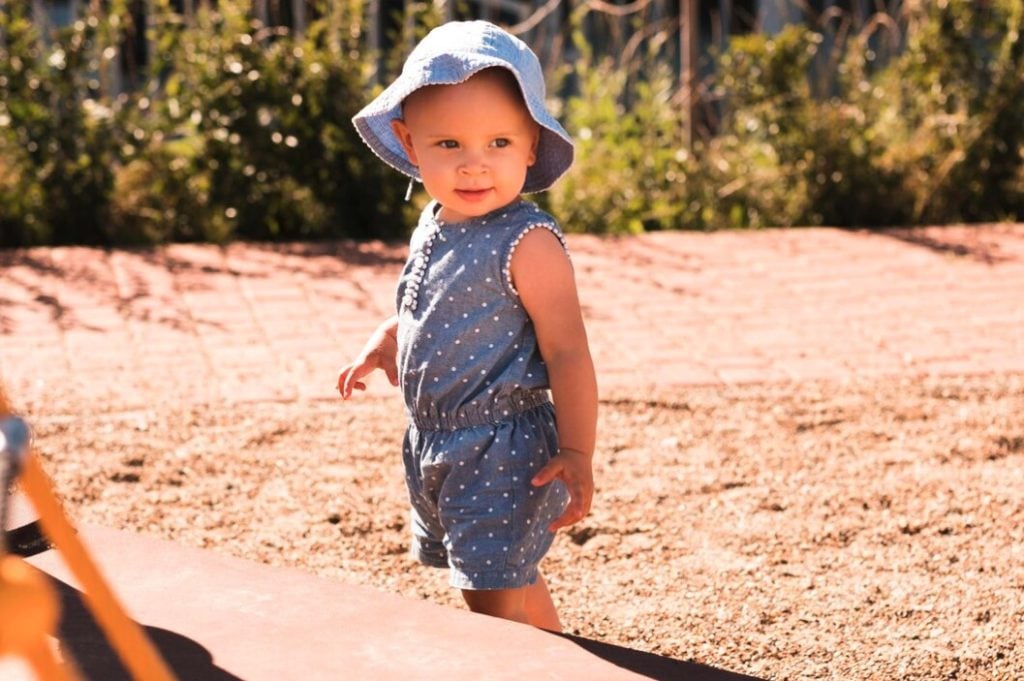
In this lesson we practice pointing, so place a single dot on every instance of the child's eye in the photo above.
(448, 144)
(501, 143)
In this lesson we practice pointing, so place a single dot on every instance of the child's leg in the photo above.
(539, 606)
(529, 604)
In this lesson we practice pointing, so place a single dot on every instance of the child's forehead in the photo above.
(495, 82)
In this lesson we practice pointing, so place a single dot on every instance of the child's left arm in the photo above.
(543, 276)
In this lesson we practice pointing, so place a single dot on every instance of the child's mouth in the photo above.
(472, 195)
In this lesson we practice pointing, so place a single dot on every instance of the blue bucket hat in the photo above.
(448, 55)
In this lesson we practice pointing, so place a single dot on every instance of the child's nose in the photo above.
(473, 162)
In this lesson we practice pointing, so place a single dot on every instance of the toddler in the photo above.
(488, 320)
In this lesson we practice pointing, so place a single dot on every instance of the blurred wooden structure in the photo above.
(702, 23)
(686, 31)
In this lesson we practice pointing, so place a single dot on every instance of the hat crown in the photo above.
(455, 45)
(475, 37)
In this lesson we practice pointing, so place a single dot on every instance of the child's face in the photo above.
(473, 142)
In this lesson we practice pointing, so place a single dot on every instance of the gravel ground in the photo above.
(788, 531)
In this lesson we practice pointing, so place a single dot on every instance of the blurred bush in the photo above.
(786, 156)
(933, 134)
(242, 131)
(58, 144)
(631, 165)
(951, 111)
(248, 134)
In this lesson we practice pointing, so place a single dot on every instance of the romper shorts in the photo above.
(474, 509)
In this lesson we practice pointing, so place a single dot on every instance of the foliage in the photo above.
(781, 154)
(953, 121)
(631, 166)
(788, 157)
(253, 125)
(761, 158)
(933, 134)
(240, 130)
(58, 143)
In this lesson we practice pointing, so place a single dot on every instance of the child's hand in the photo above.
(574, 469)
(380, 352)
(350, 377)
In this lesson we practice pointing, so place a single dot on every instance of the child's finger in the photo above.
(352, 376)
(545, 475)
(576, 510)
(573, 514)
(353, 385)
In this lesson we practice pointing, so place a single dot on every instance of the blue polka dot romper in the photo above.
(476, 391)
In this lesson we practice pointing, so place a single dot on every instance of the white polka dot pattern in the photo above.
(466, 347)
(474, 509)
(476, 391)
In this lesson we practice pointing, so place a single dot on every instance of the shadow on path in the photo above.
(82, 637)
(655, 666)
(954, 240)
(42, 277)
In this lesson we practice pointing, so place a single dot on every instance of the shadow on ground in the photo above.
(655, 666)
(81, 636)
(954, 241)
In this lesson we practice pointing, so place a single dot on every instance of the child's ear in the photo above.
(533, 147)
(401, 131)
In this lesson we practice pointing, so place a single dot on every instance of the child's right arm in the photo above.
(380, 352)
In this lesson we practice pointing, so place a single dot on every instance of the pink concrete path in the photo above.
(197, 323)
(219, 618)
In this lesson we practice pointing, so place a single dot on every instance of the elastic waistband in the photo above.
(429, 417)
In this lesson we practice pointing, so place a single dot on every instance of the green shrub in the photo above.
(953, 114)
(760, 159)
(155, 201)
(243, 131)
(788, 157)
(781, 155)
(934, 134)
(58, 143)
(21, 203)
(632, 168)
(264, 117)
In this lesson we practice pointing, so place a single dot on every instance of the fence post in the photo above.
(299, 17)
(689, 46)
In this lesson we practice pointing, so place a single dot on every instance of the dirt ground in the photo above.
(817, 530)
